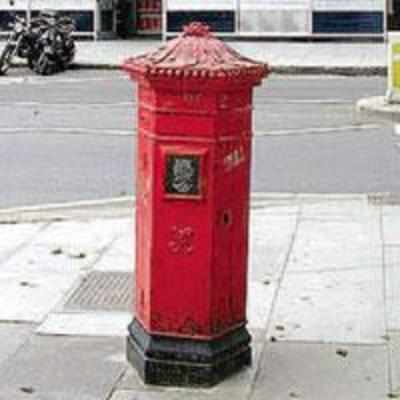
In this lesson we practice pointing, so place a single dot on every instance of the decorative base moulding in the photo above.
(172, 361)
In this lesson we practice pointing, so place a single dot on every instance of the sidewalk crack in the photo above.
(275, 299)
(103, 250)
(114, 388)
(384, 293)
(24, 244)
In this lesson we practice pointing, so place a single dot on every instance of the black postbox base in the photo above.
(170, 361)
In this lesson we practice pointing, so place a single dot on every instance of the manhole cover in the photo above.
(106, 291)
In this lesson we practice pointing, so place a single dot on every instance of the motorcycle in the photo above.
(55, 47)
(67, 54)
(20, 43)
(46, 43)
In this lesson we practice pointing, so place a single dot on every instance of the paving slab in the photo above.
(12, 236)
(315, 372)
(260, 303)
(283, 206)
(53, 259)
(86, 324)
(339, 307)
(114, 52)
(391, 228)
(121, 255)
(333, 206)
(392, 286)
(121, 207)
(12, 336)
(63, 368)
(27, 297)
(270, 240)
(89, 235)
(323, 245)
(66, 247)
(35, 279)
(320, 55)
(391, 210)
(394, 354)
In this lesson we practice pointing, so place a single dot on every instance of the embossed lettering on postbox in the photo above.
(182, 176)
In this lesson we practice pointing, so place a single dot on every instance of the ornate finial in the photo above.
(197, 29)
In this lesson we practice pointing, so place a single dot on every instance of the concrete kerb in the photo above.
(107, 208)
(276, 69)
(329, 70)
(123, 206)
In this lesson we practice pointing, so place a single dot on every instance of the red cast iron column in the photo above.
(193, 174)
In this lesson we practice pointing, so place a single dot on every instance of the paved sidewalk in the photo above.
(288, 57)
(324, 303)
(349, 58)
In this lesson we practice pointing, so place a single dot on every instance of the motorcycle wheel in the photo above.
(69, 55)
(44, 65)
(66, 57)
(5, 60)
(31, 63)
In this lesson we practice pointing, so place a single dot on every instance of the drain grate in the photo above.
(105, 291)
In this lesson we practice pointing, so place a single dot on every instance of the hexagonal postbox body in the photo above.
(193, 174)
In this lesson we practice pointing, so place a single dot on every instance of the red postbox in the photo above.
(193, 174)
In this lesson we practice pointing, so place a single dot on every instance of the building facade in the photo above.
(93, 18)
(295, 18)
(239, 18)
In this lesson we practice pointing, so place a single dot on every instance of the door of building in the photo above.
(125, 18)
(393, 13)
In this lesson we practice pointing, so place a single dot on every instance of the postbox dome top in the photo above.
(196, 53)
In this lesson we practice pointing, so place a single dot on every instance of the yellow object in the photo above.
(396, 65)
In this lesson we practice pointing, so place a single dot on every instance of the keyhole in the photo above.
(141, 298)
(144, 162)
(227, 218)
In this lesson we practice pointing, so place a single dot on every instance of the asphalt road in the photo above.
(70, 137)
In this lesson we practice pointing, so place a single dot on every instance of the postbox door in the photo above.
(182, 245)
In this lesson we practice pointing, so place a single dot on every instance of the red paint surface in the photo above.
(195, 98)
